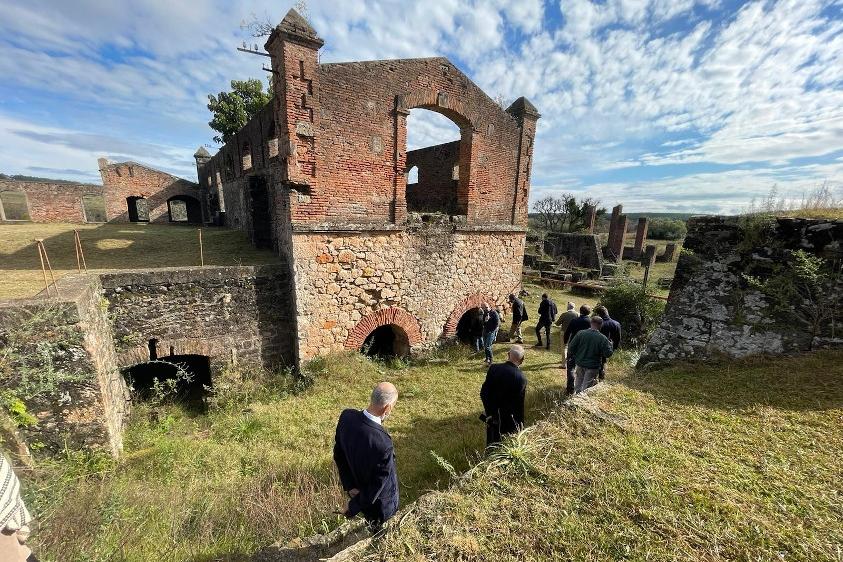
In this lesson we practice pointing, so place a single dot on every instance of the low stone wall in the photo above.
(52, 201)
(225, 313)
(582, 250)
(741, 288)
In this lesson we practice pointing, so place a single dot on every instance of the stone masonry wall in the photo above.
(225, 313)
(582, 250)
(423, 278)
(53, 202)
(60, 363)
(724, 298)
(438, 176)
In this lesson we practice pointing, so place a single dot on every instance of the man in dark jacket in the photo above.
(547, 313)
(503, 394)
(478, 318)
(519, 315)
(612, 330)
(576, 325)
(365, 458)
(490, 330)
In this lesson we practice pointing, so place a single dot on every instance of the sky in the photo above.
(662, 105)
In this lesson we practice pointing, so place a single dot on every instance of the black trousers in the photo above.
(543, 323)
(570, 365)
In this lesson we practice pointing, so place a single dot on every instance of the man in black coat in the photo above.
(503, 394)
(547, 313)
(611, 329)
(365, 458)
(576, 325)
(519, 315)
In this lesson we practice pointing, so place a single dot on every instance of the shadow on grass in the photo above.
(811, 381)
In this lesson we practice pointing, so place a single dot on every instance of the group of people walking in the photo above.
(363, 449)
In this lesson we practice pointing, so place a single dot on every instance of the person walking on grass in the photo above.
(590, 349)
(491, 325)
(503, 394)
(14, 517)
(612, 330)
(365, 458)
(565, 318)
(519, 315)
(576, 325)
(478, 318)
(547, 313)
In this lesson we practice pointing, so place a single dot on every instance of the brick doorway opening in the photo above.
(387, 341)
(470, 326)
(138, 209)
(259, 211)
(184, 209)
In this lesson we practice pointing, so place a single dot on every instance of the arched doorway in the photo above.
(138, 209)
(451, 329)
(182, 378)
(184, 209)
(386, 341)
(470, 326)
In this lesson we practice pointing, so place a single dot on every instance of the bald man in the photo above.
(365, 458)
(503, 394)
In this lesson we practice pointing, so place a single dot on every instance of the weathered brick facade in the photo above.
(51, 201)
(320, 175)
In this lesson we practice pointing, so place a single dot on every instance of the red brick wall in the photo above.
(436, 189)
(129, 179)
(53, 202)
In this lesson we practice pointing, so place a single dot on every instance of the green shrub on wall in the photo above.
(638, 313)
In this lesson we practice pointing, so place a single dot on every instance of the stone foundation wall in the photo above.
(60, 363)
(420, 279)
(582, 250)
(726, 294)
(226, 313)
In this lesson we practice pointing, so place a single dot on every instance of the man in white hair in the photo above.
(503, 394)
(13, 517)
(365, 458)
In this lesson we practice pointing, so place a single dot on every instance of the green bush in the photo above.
(667, 229)
(638, 313)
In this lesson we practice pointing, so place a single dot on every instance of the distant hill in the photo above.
(19, 177)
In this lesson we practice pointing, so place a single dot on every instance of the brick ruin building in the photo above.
(130, 192)
(368, 262)
(320, 176)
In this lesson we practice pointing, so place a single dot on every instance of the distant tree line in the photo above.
(563, 213)
(667, 229)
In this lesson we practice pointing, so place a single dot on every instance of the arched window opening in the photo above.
(184, 209)
(138, 209)
(433, 148)
(13, 206)
(386, 342)
(94, 208)
(178, 378)
(470, 327)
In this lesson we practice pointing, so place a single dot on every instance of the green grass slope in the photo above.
(737, 461)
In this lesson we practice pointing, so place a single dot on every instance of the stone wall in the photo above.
(438, 179)
(52, 202)
(60, 362)
(737, 290)
(582, 250)
(431, 274)
(225, 313)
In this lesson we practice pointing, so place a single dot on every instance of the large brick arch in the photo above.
(383, 317)
(469, 302)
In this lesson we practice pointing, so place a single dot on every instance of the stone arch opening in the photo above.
(470, 326)
(389, 340)
(400, 327)
(181, 378)
(138, 208)
(450, 330)
(434, 150)
(184, 209)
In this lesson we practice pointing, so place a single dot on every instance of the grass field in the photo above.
(256, 468)
(114, 246)
(732, 461)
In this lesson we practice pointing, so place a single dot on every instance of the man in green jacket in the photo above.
(589, 348)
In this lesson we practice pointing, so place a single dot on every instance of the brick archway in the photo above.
(469, 302)
(383, 317)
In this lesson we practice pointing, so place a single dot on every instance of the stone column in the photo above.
(617, 237)
(669, 252)
(590, 217)
(640, 237)
(648, 260)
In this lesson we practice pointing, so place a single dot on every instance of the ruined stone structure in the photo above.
(320, 175)
(580, 250)
(616, 249)
(130, 192)
(737, 290)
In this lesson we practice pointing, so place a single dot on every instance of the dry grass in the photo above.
(738, 461)
(114, 246)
